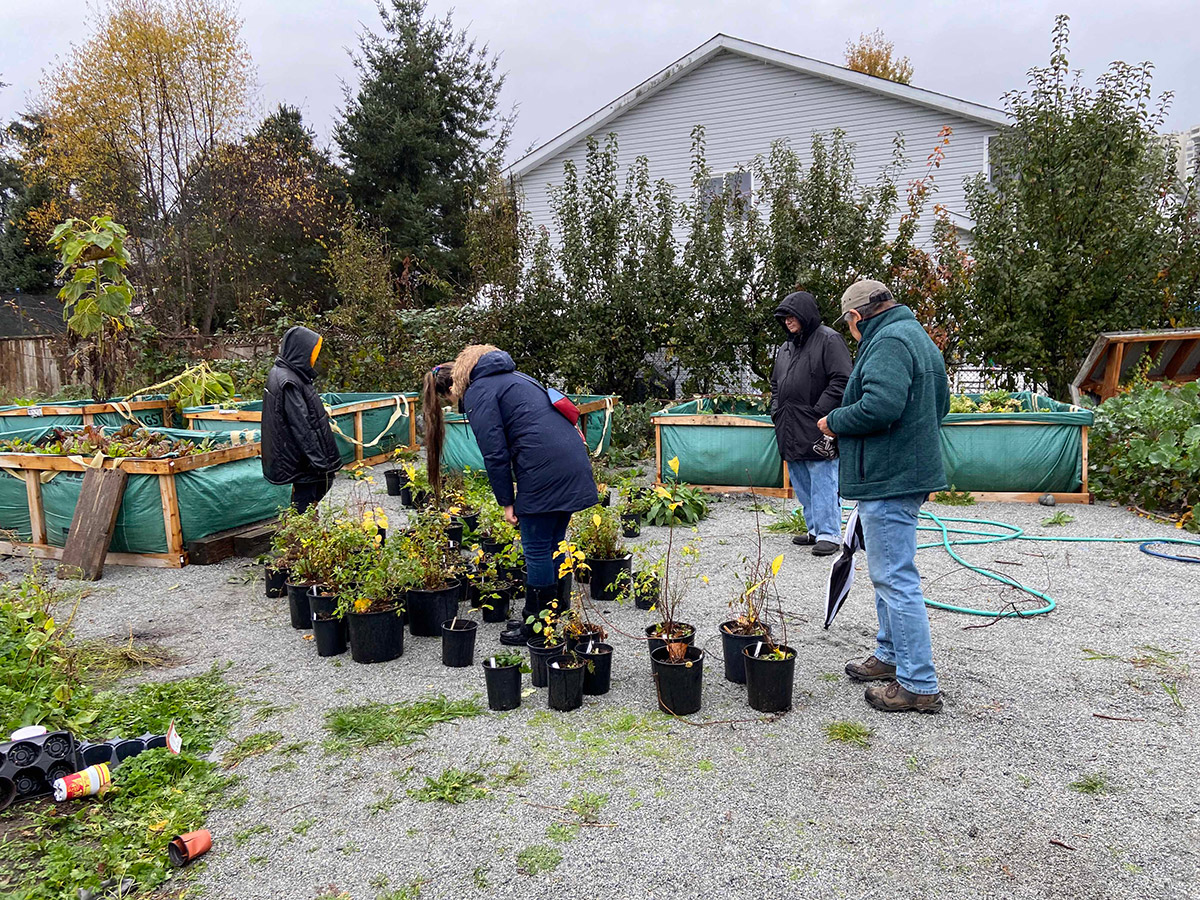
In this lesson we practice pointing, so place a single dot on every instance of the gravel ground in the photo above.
(974, 803)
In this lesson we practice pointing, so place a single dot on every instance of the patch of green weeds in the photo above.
(259, 860)
(301, 827)
(562, 832)
(954, 497)
(705, 765)
(351, 847)
(912, 762)
(251, 745)
(248, 834)
(383, 804)
(1172, 691)
(830, 676)
(845, 732)
(264, 712)
(479, 876)
(791, 523)
(410, 891)
(452, 786)
(295, 747)
(397, 724)
(1094, 783)
(537, 859)
(288, 765)
(587, 805)
(1062, 517)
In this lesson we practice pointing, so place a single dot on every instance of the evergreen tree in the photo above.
(418, 136)
(26, 263)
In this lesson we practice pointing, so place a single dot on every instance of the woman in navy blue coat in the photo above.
(522, 436)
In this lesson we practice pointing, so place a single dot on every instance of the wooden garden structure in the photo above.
(1170, 355)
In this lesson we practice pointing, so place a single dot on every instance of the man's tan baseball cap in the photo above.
(860, 294)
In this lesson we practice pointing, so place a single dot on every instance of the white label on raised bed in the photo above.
(34, 412)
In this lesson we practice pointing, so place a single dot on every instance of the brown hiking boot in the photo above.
(893, 697)
(870, 669)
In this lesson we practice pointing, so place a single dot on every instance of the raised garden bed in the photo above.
(168, 502)
(461, 452)
(378, 422)
(151, 409)
(728, 445)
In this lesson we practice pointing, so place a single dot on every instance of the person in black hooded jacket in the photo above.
(297, 443)
(811, 370)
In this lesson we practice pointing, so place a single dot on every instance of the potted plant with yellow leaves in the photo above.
(416, 491)
(433, 597)
(597, 534)
(373, 585)
(395, 477)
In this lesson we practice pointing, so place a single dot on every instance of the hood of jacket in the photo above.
(495, 363)
(295, 350)
(803, 306)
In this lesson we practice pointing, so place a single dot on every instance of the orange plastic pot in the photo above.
(186, 847)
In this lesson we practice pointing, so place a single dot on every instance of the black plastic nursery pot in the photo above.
(631, 525)
(495, 606)
(454, 531)
(330, 636)
(597, 677)
(458, 642)
(684, 634)
(591, 633)
(469, 519)
(298, 606)
(427, 610)
(503, 685)
(394, 484)
(609, 576)
(276, 580)
(376, 636)
(769, 681)
(406, 497)
(565, 674)
(678, 685)
(731, 649)
(539, 655)
(646, 594)
(491, 547)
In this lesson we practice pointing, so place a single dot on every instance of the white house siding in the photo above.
(745, 104)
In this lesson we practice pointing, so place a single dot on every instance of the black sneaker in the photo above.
(825, 548)
(804, 540)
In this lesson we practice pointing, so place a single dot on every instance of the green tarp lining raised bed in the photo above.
(1041, 451)
(374, 421)
(725, 455)
(461, 452)
(23, 420)
(211, 499)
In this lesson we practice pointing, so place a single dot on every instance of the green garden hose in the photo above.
(1013, 533)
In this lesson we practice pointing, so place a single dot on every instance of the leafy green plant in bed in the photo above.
(675, 503)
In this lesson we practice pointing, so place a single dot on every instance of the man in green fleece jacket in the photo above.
(888, 431)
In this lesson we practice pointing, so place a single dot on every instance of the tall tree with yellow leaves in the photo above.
(132, 114)
(873, 54)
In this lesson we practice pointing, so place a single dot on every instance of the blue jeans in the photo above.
(541, 533)
(815, 482)
(890, 535)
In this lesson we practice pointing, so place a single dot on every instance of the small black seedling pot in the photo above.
(394, 485)
(731, 650)
(597, 677)
(565, 674)
(678, 685)
(657, 643)
(769, 681)
(276, 580)
(495, 606)
(324, 606)
(376, 636)
(298, 605)
(427, 610)
(329, 634)
(539, 655)
(631, 525)
(458, 642)
(503, 686)
(610, 577)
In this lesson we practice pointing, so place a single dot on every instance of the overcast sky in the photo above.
(565, 60)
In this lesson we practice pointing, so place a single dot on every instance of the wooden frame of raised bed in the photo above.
(34, 464)
(88, 411)
(357, 408)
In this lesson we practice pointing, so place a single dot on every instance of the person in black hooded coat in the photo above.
(811, 370)
(297, 443)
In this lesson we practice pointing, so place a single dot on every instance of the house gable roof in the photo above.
(723, 42)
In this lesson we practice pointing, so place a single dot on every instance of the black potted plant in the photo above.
(371, 600)
(415, 492)
(598, 656)
(395, 477)
(565, 675)
(547, 642)
(748, 626)
(296, 541)
(333, 559)
(635, 503)
(502, 674)
(434, 595)
(458, 642)
(487, 590)
(597, 534)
